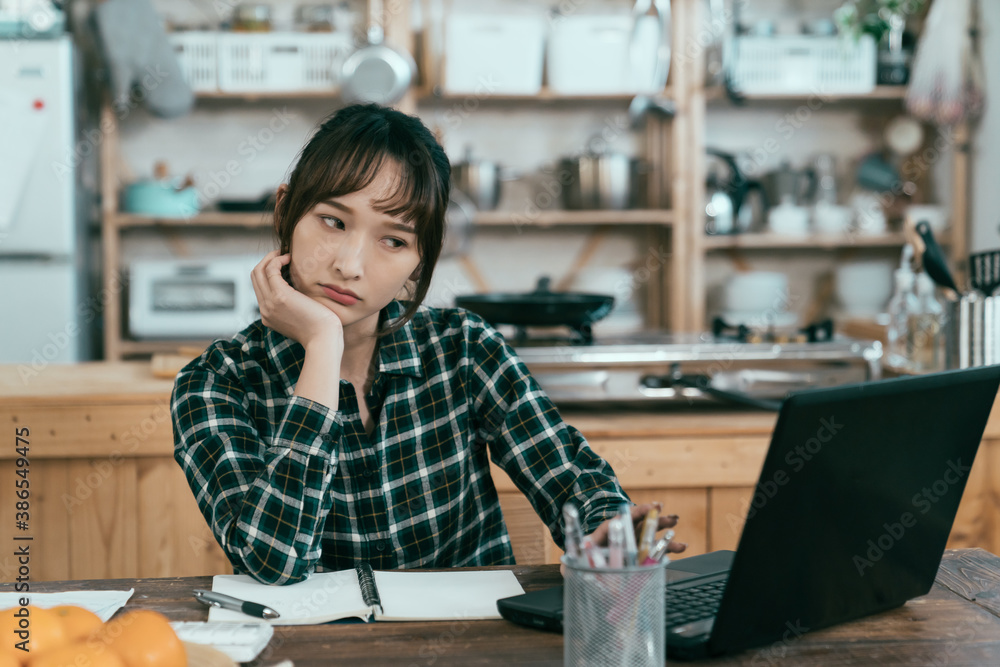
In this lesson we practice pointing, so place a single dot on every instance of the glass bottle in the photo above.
(924, 333)
(901, 306)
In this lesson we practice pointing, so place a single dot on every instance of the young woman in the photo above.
(347, 425)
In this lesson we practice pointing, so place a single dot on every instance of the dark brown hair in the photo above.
(344, 156)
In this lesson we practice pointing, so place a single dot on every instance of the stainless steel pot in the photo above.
(479, 180)
(609, 181)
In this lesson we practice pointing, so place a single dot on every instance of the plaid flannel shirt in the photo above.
(289, 486)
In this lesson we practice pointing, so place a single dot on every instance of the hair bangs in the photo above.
(347, 153)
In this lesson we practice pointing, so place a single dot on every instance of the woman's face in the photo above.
(352, 258)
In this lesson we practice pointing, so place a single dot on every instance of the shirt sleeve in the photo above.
(265, 501)
(548, 460)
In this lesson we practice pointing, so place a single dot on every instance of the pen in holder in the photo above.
(614, 616)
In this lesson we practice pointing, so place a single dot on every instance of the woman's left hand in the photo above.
(600, 536)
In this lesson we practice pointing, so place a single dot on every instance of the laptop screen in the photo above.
(854, 504)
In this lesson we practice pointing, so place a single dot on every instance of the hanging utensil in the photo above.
(652, 102)
(661, 68)
(985, 271)
(376, 72)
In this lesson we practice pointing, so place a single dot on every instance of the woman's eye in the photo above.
(396, 243)
(331, 221)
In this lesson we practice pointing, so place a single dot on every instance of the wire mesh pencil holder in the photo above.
(614, 616)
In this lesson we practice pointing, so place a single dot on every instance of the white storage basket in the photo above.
(591, 54)
(801, 65)
(281, 61)
(197, 54)
(494, 54)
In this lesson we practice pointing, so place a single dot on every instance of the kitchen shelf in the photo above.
(879, 94)
(544, 95)
(204, 219)
(553, 218)
(329, 93)
(766, 241)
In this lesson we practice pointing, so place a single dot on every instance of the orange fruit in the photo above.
(142, 638)
(8, 628)
(44, 630)
(76, 654)
(77, 622)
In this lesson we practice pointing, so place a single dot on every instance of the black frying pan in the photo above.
(542, 307)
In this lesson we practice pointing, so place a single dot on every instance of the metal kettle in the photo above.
(728, 207)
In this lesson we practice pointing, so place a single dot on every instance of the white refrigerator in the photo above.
(46, 317)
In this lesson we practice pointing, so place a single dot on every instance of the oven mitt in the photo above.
(139, 54)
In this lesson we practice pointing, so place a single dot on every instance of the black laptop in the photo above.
(850, 516)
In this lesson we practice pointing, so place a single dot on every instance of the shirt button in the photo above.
(367, 472)
(380, 546)
(326, 437)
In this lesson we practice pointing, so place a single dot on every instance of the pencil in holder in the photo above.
(614, 616)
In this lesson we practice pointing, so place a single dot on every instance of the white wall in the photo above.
(985, 194)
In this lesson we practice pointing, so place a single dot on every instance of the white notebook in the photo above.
(363, 593)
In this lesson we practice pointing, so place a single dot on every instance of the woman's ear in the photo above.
(415, 276)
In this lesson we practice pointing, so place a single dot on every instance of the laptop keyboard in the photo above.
(691, 604)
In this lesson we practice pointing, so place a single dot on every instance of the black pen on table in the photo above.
(214, 599)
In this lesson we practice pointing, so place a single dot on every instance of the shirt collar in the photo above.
(397, 352)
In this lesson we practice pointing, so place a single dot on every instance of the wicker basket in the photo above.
(262, 62)
(197, 54)
(801, 65)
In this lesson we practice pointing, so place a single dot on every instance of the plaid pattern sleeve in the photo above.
(288, 486)
(263, 493)
(548, 460)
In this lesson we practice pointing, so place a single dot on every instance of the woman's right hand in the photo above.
(288, 311)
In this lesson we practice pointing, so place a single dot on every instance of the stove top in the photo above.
(659, 366)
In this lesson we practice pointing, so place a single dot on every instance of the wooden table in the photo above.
(957, 623)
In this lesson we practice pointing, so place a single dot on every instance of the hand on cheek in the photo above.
(287, 310)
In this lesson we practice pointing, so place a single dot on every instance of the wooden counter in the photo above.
(107, 499)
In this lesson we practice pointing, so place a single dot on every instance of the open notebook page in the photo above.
(322, 597)
(412, 595)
